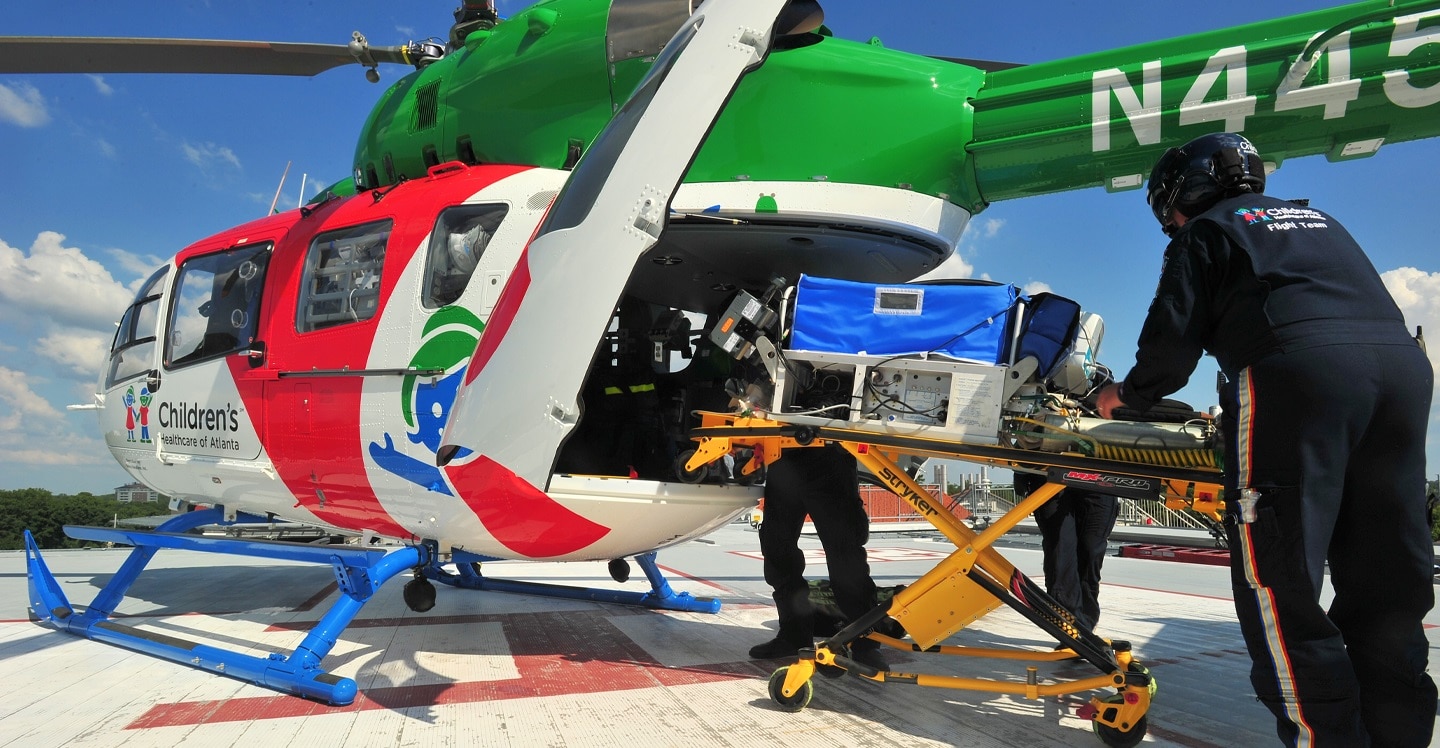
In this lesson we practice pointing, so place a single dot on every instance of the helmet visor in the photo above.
(1160, 191)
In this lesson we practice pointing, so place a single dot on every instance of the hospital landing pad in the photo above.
(505, 669)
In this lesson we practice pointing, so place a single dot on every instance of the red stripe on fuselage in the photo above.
(520, 516)
(502, 316)
(310, 426)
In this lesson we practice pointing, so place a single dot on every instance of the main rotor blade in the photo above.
(58, 54)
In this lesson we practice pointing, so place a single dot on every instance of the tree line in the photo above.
(45, 515)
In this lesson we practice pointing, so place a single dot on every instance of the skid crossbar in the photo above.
(359, 572)
(975, 578)
(660, 596)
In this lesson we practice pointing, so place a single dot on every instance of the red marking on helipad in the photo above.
(556, 654)
(317, 598)
(678, 573)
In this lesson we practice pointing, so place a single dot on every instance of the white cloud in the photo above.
(988, 228)
(82, 351)
(27, 449)
(21, 402)
(140, 265)
(953, 268)
(60, 283)
(1034, 287)
(206, 155)
(1417, 293)
(100, 85)
(21, 104)
(106, 149)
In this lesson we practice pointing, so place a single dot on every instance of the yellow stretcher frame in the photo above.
(974, 579)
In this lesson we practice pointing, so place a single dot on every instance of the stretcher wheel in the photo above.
(750, 479)
(1136, 667)
(1121, 738)
(689, 476)
(795, 703)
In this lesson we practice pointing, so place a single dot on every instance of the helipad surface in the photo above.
(498, 669)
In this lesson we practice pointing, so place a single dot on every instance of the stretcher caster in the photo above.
(1154, 686)
(689, 476)
(1117, 738)
(794, 703)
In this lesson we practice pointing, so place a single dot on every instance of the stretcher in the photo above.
(975, 579)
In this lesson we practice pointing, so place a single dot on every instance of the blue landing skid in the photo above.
(359, 572)
(660, 596)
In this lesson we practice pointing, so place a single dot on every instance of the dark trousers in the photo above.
(1075, 534)
(1331, 441)
(821, 482)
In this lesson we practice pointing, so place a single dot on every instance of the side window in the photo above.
(342, 276)
(215, 304)
(133, 351)
(456, 245)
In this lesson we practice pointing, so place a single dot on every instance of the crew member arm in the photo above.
(1178, 324)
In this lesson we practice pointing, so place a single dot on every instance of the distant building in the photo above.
(136, 493)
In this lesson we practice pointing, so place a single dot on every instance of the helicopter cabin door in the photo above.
(520, 396)
(209, 328)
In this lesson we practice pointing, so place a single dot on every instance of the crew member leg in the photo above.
(1059, 537)
(1382, 558)
(833, 500)
(1094, 517)
(832, 497)
(784, 561)
(1288, 432)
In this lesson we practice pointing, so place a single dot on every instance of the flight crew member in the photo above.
(1324, 424)
(821, 482)
(1075, 530)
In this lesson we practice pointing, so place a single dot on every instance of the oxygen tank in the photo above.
(1073, 374)
(1189, 444)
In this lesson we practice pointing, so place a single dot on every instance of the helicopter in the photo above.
(389, 360)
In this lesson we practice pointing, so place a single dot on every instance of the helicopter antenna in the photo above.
(301, 202)
(279, 187)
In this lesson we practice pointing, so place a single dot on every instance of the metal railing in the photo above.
(994, 500)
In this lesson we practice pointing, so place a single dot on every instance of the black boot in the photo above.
(867, 652)
(777, 648)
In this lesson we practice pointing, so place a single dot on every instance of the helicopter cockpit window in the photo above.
(342, 276)
(215, 305)
(133, 351)
(456, 245)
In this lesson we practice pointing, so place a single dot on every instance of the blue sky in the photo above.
(107, 176)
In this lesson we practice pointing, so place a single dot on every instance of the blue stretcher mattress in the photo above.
(964, 321)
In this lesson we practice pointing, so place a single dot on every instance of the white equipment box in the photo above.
(936, 397)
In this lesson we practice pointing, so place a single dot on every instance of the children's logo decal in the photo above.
(447, 342)
(137, 415)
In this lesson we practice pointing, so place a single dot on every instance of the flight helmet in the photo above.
(1200, 173)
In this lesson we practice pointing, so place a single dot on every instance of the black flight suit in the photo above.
(821, 482)
(1324, 423)
(1075, 530)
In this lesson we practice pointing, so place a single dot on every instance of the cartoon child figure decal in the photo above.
(145, 399)
(129, 402)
